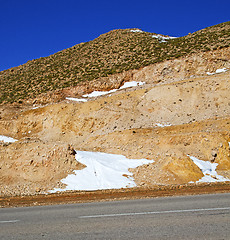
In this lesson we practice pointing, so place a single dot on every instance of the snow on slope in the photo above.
(221, 70)
(126, 85)
(209, 171)
(162, 38)
(7, 139)
(136, 30)
(103, 171)
(77, 99)
(163, 125)
(131, 84)
(101, 93)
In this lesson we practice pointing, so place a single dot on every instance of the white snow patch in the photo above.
(131, 84)
(101, 93)
(209, 171)
(163, 125)
(208, 73)
(220, 70)
(162, 38)
(103, 171)
(158, 36)
(7, 139)
(136, 30)
(77, 99)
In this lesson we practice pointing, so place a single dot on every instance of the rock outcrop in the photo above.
(180, 111)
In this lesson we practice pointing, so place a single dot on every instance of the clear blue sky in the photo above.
(30, 29)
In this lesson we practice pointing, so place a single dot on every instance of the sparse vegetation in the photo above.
(113, 52)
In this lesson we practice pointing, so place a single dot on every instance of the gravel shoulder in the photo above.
(113, 195)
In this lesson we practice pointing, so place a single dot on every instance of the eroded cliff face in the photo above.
(165, 72)
(185, 67)
(180, 111)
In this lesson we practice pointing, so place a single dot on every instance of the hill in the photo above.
(177, 113)
(113, 52)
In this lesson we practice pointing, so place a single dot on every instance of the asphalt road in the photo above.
(187, 217)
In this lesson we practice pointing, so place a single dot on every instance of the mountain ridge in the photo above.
(114, 52)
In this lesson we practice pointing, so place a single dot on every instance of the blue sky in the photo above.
(30, 29)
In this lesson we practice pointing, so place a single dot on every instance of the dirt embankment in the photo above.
(165, 72)
(173, 115)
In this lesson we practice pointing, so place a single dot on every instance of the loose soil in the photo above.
(113, 195)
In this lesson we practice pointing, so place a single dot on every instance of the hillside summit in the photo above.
(114, 52)
(178, 115)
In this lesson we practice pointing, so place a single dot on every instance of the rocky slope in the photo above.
(180, 111)
(114, 52)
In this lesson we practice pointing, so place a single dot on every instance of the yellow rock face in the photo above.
(183, 169)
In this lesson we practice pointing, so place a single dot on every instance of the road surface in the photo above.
(186, 217)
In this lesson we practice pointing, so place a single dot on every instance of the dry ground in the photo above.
(196, 108)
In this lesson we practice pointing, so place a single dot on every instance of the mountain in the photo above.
(164, 99)
(113, 52)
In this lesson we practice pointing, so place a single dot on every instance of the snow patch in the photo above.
(209, 171)
(103, 171)
(162, 38)
(220, 70)
(101, 93)
(163, 125)
(7, 139)
(158, 36)
(136, 30)
(77, 99)
(131, 84)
